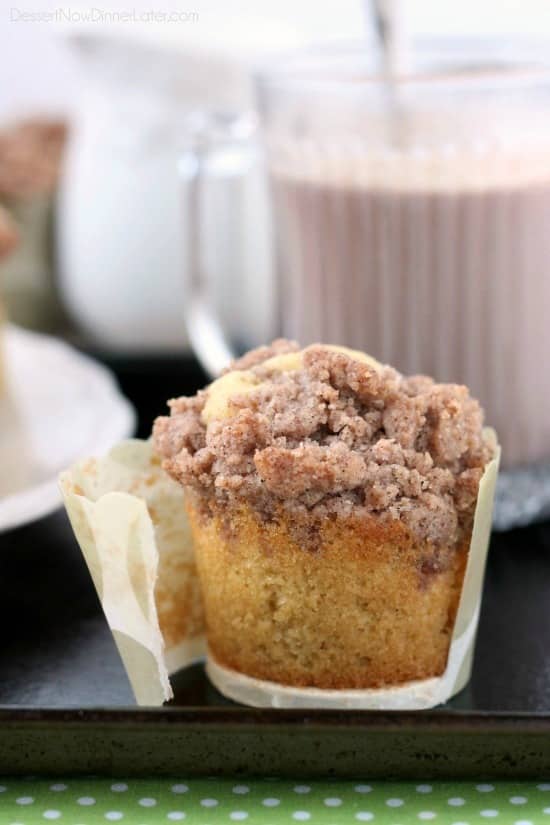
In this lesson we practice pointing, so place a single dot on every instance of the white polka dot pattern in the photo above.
(214, 801)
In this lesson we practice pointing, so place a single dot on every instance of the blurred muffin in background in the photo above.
(8, 242)
(30, 157)
(8, 234)
(31, 154)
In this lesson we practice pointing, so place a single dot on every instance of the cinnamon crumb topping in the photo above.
(338, 436)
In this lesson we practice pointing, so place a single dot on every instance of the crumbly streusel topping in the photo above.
(334, 437)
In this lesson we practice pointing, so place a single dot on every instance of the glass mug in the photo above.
(410, 220)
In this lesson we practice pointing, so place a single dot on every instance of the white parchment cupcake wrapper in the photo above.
(130, 523)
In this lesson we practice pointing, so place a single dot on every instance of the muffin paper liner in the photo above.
(129, 519)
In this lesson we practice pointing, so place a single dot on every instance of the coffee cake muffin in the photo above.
(331, 501)
(31, 156)
(8, 234)
(9, 237)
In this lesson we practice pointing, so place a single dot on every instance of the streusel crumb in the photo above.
(336, 436)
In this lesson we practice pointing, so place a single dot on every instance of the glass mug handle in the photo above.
(223, 153)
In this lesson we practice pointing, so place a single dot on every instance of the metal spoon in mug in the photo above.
(390, 23)
(391, 27)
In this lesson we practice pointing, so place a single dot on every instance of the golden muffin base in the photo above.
(356, 612)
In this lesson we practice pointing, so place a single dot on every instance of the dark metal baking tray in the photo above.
(66, 703)
(66, 706)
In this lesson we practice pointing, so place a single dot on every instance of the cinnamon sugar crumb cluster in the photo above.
(336, 437)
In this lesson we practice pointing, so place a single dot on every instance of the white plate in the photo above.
(59, 406)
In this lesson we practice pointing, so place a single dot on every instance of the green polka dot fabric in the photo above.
(211, 801)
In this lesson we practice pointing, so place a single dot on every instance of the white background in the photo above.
(39, 72)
